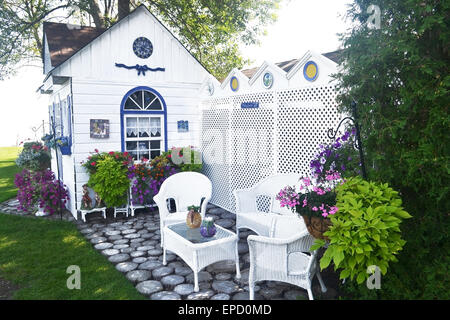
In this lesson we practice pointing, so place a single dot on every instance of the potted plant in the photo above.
(108, 176)
(61, 142)
(141, 184)
(34, 157)
(53, 197)
(366, 232)
(313, 202)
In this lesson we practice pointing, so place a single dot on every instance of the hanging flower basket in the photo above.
(317, 226)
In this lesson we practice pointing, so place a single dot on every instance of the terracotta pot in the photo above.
(317, 226)
(193, 219)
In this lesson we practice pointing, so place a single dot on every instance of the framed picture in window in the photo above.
(99, 129)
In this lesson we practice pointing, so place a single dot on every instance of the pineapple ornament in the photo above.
(193, 219)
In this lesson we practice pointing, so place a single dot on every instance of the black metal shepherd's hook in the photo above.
(358, 144)
(57, 163)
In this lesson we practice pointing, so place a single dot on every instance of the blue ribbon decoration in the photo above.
(140, 69)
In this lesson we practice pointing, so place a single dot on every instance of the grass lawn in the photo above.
(35, 254)
(8, 170)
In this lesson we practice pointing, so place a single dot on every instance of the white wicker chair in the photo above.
(247, 214)
(186, 189)
(285, 256)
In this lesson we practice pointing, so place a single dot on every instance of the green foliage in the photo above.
(399, 76)
(211, 30)
(110, 181)
(194, 208)
(365, 231)
(34, 157)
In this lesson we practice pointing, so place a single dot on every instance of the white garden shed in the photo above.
(134, 87)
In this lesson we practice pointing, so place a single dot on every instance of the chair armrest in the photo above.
(245, 200)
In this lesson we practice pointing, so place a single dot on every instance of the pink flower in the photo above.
(314, 209)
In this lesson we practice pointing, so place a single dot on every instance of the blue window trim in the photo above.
(69, 122)
(124, 112)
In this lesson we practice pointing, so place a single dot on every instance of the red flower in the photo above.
(125, 153)
(125, 163)
(96, 150)
(117, 156)
(93, 163)
(169, 156)
(111, 153)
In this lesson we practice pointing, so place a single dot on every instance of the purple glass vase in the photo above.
(207, 229)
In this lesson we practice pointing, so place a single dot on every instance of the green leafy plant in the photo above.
(400, 77)
(110, 181)
(194, 208)
(366, 231)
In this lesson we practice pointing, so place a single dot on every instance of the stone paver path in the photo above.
(133, 245)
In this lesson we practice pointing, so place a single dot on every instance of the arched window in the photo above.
(143, 119)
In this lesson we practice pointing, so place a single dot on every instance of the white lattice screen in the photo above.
(280, 136)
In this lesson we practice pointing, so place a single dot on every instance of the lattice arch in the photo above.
(280, 136)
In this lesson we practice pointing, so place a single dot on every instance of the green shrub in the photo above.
(110, 181)
(365, 231)
(404, 118)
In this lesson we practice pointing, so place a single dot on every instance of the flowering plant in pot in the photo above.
(314, 202)
(142, 183)
(340, 155)
(29, 184)
(34, 157)
(53, 196)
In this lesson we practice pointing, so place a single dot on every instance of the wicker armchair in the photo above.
(247, 214)
(284, 257)
(186, 189)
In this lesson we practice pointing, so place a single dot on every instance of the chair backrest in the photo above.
(272, 185)
(186, 188)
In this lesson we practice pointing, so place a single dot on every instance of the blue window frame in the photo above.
(143, 123)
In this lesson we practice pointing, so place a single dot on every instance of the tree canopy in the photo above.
(212, 30)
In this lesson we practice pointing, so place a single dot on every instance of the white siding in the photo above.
(101, 100)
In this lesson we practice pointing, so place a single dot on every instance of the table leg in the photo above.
(238, 271)
(194, 255)
(164, 256)
(196, 288)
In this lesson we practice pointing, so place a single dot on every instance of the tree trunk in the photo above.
(124, 8)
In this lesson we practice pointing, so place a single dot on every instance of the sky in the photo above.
(302, 25)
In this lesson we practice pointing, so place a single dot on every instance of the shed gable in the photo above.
(98, 59)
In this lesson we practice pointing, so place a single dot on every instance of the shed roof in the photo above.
(64, 40)
(287, 65)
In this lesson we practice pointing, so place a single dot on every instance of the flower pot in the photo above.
(41, 213)
(208, 229)
(317, 226)
(65, 150)
(193, 219)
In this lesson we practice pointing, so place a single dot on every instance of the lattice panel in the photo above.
(304, 117)
(252, 152)
(282, 135)
(214, 135)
